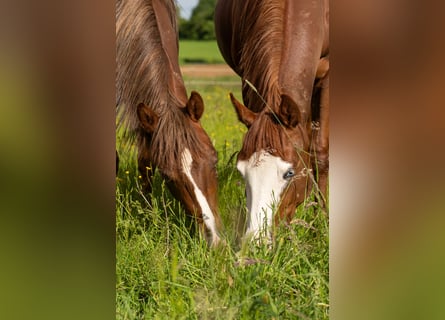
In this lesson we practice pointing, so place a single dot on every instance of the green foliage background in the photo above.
(200, 26)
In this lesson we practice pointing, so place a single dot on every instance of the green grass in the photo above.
(191, 51)
(166, 271)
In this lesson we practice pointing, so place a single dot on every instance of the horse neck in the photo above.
(281, 47)
(147, 57)
(166, 24)
(303, 30)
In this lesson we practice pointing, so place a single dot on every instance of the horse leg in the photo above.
(117, 162)
(322, 138)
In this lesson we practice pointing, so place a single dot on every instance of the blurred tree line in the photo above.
(200, 26)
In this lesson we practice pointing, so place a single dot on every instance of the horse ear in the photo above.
(245, 115)
(195, 106)
(147, 118)
(289, 113)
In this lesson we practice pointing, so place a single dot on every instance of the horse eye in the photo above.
(289, 174)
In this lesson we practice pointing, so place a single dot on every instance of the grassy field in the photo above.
(191, 51)
(165, 270)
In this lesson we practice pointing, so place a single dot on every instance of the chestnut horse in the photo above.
(154, 109)
(280, 50)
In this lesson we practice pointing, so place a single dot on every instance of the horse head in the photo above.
(189, 167)
(274, 163)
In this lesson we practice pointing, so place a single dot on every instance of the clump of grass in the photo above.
(166, 271)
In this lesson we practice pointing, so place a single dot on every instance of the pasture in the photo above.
(191, 51)
(164, 269)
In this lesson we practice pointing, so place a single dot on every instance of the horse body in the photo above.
(155, 111)
(280, 50)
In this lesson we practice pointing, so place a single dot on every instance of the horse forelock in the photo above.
(264, 134)
(267, 134)
(174, 134)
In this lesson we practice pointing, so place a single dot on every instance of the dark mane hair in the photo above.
(143, 74)
(260, 57)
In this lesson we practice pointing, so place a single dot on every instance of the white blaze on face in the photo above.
(207, 213)
(264, 175)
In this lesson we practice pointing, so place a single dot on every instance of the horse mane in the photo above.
(142, 75)
(261, 33)
(141, 60)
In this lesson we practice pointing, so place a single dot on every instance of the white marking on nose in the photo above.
(207, 213)
(264, 177)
